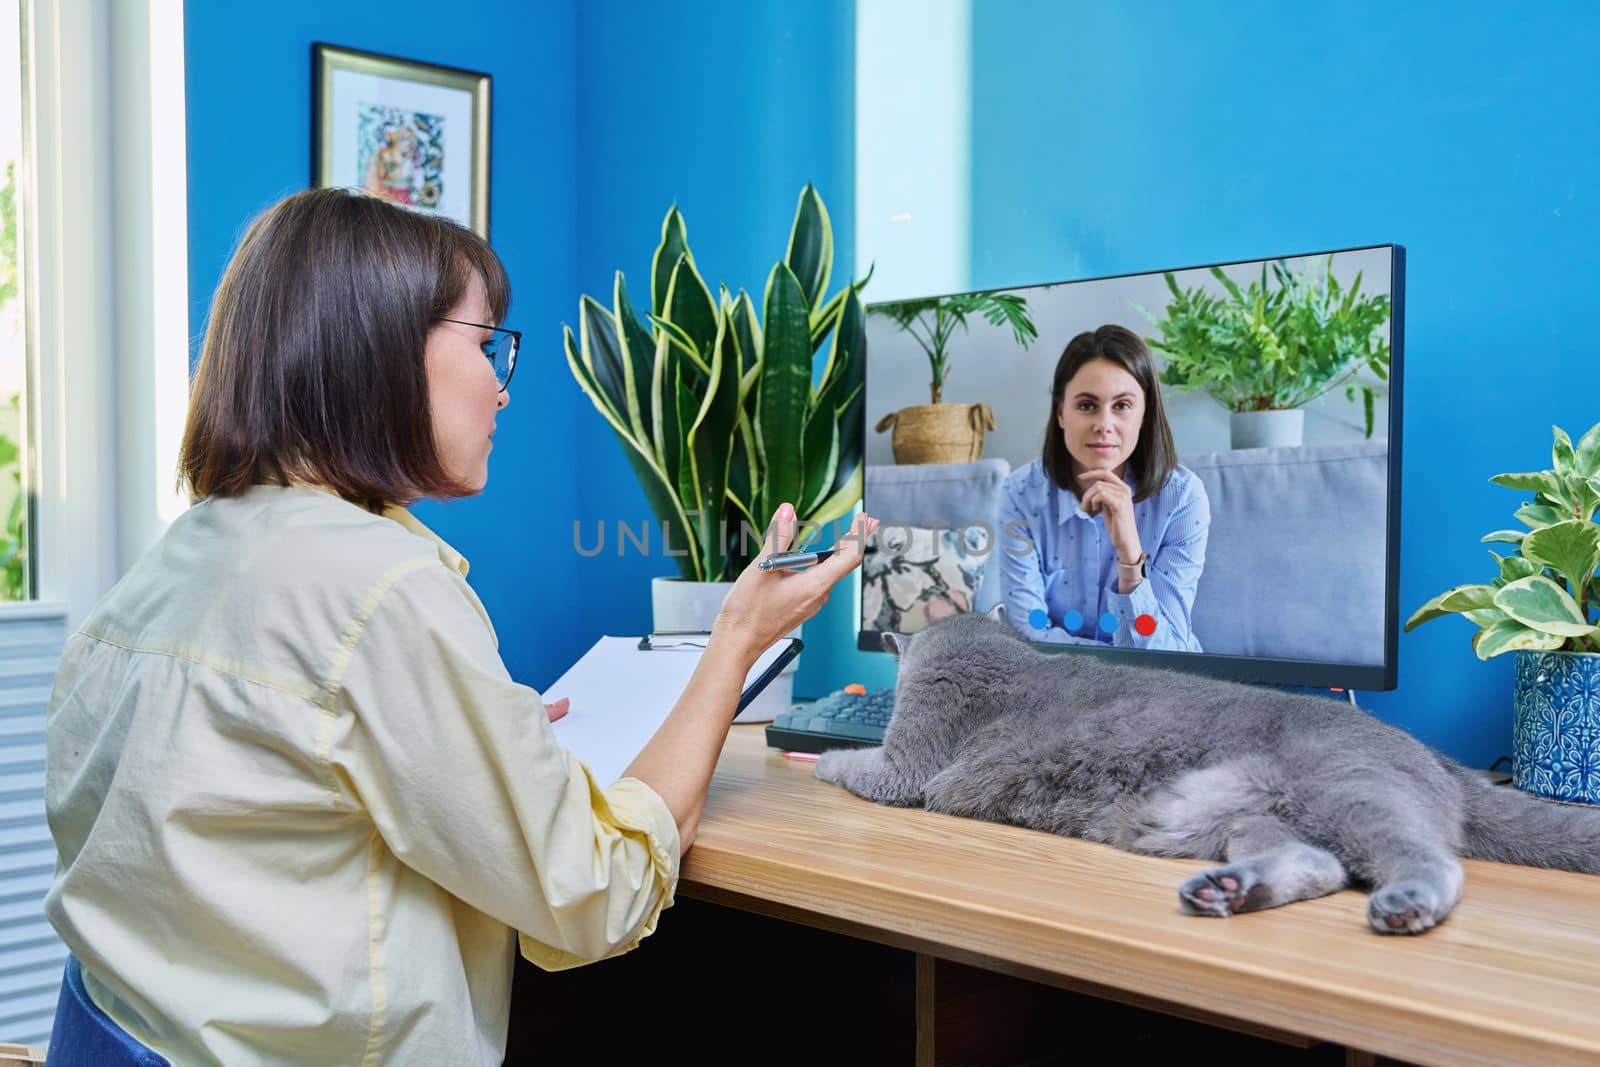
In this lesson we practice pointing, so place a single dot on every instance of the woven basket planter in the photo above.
(938, 433)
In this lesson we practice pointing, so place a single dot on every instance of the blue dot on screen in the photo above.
(1038, 619)
(1108, 622)
(1073, 620)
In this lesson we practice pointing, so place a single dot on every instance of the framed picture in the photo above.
(413, 133)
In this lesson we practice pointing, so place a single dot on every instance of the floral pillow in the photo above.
(912, 576)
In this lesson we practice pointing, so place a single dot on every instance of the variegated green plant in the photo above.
(718, 408)
(1547, 593)
(1275, 344)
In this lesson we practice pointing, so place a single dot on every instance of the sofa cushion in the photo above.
(1296, 555)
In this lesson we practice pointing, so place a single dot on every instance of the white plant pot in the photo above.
(676, 604)
(1267, 429)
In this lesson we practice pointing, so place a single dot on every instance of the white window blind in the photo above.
(31, 956)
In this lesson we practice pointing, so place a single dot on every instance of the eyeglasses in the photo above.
(501, 350)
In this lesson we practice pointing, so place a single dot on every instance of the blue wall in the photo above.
(1103, 141)
(727, 110)
(1112, 138)
(249, 101)
(604, 115)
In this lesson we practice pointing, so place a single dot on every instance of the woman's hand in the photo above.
(557, 708)
(763, 605)
(1109, 496)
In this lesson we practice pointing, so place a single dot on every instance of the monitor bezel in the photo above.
(1309, 673)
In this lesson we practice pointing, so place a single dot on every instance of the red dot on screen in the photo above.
(1145, 625)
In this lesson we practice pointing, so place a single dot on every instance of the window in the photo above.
(104, 271)
(93, 343)
(16, 470)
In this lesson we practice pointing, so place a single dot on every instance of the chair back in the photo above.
(85, 1036)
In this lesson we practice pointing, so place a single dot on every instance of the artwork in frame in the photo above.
(413, 133)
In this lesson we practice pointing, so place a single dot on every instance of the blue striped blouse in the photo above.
(1058, 565)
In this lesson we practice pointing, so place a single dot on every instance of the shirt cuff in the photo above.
(633, 808)
(1129, 606)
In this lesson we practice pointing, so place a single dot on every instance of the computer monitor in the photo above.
(1195, 468)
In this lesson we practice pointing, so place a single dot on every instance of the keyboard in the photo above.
(838, 720)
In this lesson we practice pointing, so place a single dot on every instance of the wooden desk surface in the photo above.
(1513, 977)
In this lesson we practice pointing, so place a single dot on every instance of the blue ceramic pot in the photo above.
(1555, 749)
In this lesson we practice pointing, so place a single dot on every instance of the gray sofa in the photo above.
(1294, 561)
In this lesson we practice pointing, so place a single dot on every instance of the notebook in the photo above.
(624, 687)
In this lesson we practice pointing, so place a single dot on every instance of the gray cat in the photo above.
(1297, 795)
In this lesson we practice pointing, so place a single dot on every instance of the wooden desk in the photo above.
(1513, 977)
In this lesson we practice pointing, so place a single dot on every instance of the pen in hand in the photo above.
(779, 561)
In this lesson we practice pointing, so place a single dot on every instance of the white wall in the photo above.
(913, 139)
(151, 222)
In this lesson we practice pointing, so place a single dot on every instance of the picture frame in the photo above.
(414, 133)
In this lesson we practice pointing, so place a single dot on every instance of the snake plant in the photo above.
(719, 409)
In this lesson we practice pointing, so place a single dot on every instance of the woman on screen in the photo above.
(1103, 537)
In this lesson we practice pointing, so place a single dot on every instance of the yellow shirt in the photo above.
(300, 806)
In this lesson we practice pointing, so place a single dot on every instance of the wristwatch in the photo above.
(1142, 565)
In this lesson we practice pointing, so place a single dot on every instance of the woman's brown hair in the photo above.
(1155, 457)
(312, 369)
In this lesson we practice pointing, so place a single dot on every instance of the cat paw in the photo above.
(1224, 891)
(831, 766)
(1403, 908)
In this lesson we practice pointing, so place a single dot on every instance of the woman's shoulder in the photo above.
(320, 537)
(1182, 484)
(277, 578)
(1026, 479)
(1184, 493)
(356, 557)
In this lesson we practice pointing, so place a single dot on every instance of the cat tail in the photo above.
(1506, 825)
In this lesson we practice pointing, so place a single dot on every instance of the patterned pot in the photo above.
(1555, 748)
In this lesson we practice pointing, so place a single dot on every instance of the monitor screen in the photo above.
(1193, 468)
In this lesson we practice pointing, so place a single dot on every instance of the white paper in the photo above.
(620, 696)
